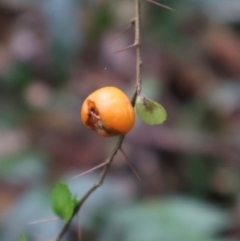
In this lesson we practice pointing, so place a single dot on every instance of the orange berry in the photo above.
(108, 111)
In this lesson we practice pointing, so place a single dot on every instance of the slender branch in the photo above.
(93, 188)
(118, 146)
(138, 53)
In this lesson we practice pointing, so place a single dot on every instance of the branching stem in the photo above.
(137, 90)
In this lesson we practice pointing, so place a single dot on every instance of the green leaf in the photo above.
(62, 201)
(75, 201)
(150, 111)
(22, 237)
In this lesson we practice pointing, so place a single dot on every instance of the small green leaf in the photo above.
(75, 201)
(150, 111)
(62, 202)
(22, 237)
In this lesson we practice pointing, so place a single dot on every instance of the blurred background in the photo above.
(53, 53)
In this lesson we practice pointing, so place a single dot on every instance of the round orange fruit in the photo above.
(108, 111)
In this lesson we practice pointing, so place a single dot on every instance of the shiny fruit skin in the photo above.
(108, 111)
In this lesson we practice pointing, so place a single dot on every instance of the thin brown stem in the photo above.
(93, 188)
(137, 90)
(138, 83)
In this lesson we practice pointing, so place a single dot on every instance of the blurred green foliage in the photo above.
(172, 218)
(26, 166)
(103, 18)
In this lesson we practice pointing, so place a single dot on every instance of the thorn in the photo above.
(43, 221)
(78, 228)
(130, 164)
(121, 34)
(160, 5)
(131, 46)
(132, 21)
(90, 170)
